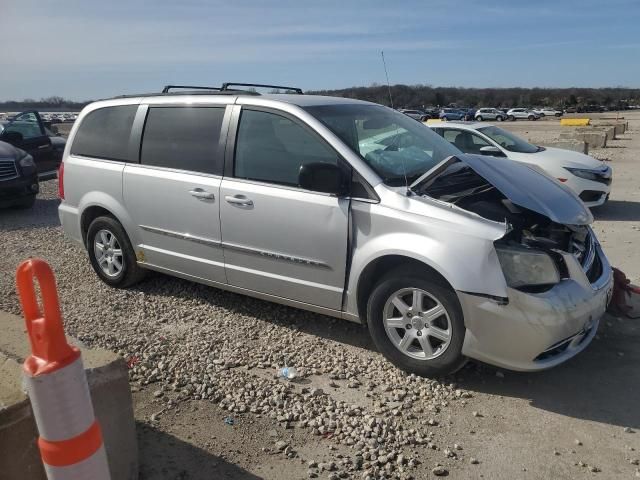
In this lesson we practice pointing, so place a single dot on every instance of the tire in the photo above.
(511, 118)
(531, 118)
(25, 202)
(446, 356)
(101, 230)
(558, 114)
(479, 118)
(499, 118)
(541, 114)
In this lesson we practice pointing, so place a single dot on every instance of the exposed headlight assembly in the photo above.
(584, 173)
(524, 267)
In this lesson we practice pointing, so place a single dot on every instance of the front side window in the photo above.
(184, 138)
(104, 133)
(395, 146)
(508, 140)
(272, 148)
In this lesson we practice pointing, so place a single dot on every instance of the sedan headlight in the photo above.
(26, 162)
(584, 173)
(522, 267)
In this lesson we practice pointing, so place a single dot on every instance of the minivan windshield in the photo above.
(508, 140)
(396, 146)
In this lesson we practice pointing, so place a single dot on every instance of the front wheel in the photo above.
(499, 118)
(479, 118)
(511, 118)
(111, 254)
(417, 323)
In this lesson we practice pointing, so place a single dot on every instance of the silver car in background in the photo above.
(490, 114)
(341, 207)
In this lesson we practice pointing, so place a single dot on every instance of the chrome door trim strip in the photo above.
(239, 248)
(183, 236)
(276, 255)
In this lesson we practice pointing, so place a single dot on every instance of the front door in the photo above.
(173, 195)
(280, 239)
(26, 131)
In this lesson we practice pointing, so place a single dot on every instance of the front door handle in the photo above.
(200, 193)
(238, 200)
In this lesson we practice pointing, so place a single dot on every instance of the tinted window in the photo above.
(104, 133)
(186, 138)
(272, 148)
(467, 142)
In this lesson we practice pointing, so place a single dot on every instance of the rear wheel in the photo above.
(111, 254)
(417, 324)
(499, 118)
(531, 117)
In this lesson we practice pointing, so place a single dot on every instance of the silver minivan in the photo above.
(341, 207)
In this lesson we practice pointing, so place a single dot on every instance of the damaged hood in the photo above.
(525, 186)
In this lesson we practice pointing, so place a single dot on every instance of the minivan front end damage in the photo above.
(558, 280)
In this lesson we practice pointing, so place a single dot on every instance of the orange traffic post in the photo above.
(70, 440)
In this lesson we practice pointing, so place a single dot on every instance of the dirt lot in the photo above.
(200, 356)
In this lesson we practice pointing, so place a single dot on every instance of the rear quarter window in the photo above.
(104, 133)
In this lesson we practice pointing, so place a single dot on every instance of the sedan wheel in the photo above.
(499, 118)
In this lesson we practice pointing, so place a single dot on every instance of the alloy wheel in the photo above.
(417, 323)
(108, 253)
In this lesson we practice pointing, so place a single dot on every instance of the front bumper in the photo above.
(12, 191)
(536, 331)
(592, 193)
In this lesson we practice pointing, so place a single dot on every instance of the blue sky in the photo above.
(93, 49)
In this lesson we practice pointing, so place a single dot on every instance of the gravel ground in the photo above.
(203, 365)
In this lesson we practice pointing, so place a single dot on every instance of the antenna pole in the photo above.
(387, 75)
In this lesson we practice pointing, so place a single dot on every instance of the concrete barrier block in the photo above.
(575, 122)
(574, 145)
(595, 138)
(109, 385)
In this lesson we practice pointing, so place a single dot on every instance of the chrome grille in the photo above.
(8, 169)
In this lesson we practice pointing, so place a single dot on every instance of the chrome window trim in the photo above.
(176, 170)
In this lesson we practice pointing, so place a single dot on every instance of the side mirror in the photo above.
(323, 177)
(12, 137)
(492, 151)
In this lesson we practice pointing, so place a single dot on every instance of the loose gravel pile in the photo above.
(188, 341)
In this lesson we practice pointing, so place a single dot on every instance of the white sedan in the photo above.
(548, 112)
(589, 178)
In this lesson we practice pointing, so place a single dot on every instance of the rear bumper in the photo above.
(18, 188)
(70, 221)
(537, 331)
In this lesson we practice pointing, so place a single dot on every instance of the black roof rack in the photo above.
(169, 87)
(225, 86)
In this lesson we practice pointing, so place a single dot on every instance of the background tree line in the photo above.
(424, 96)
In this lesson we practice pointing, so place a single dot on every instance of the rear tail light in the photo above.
(61, 181)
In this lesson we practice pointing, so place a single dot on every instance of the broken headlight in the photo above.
(524, 267)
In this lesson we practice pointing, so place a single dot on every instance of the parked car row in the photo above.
(47, 117)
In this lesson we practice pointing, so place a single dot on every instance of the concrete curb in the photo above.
(109, 385)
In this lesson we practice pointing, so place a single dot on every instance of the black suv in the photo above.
(26, 154)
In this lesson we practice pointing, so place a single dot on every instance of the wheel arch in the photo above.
(96, 208)
(382, 265)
